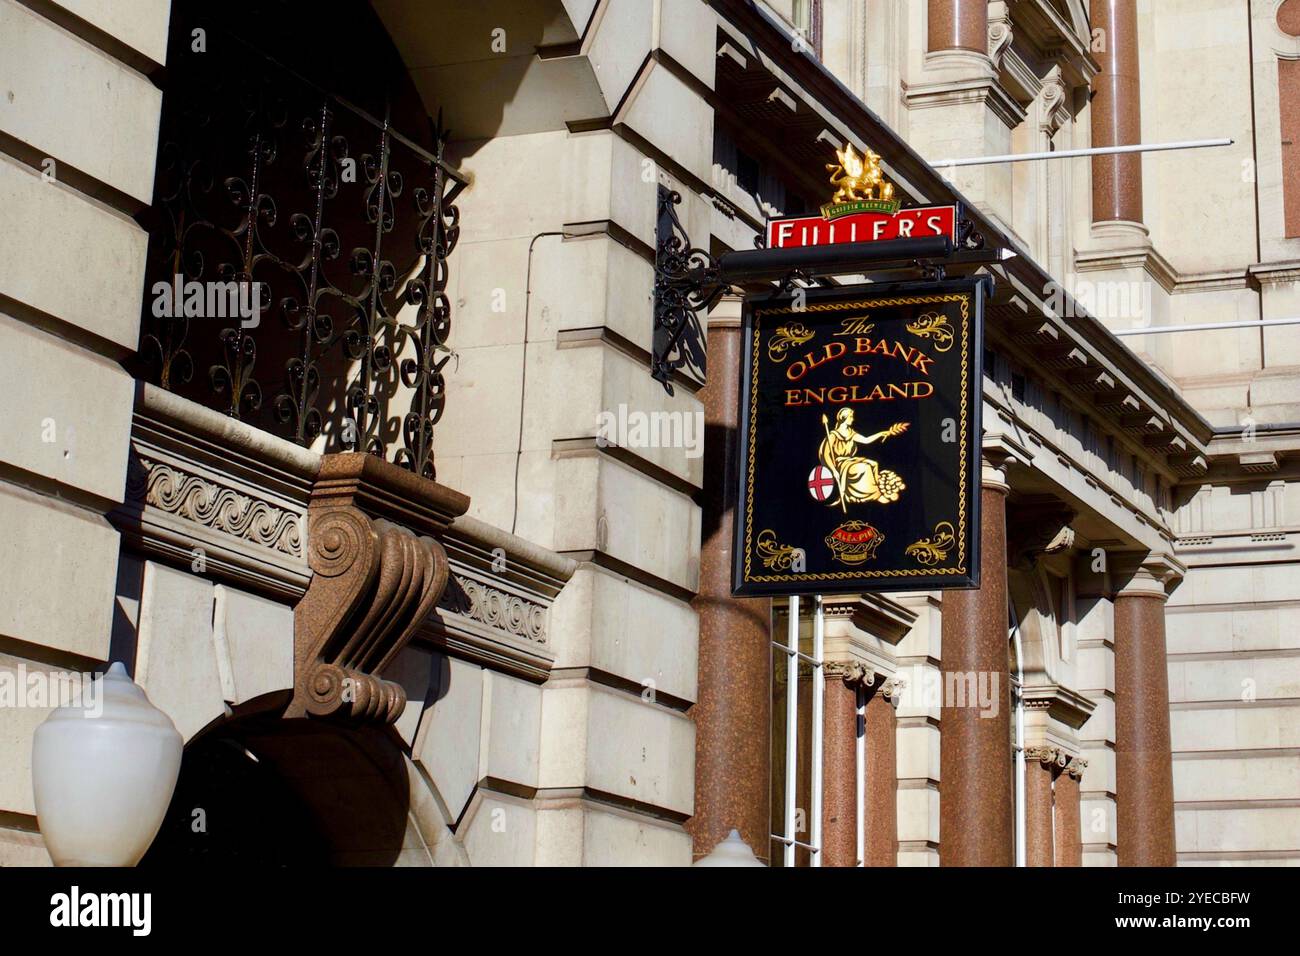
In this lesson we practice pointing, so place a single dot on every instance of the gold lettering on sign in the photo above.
(858, 326)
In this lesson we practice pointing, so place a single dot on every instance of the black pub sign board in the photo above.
(860, 440)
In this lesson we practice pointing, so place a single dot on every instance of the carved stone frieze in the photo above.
(496, 608)
(216, 497)
(219, 507)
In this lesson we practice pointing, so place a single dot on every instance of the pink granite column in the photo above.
(733, 712)
(1116, 113)
(840, 766)
(975, 800)
(1038, 809)
(1144, 775)
(1069, 840)
(881, 796)
(957, 25)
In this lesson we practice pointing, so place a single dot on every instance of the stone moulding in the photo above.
(224, 509)
(378, 570)
(495, 609)
(216, 497)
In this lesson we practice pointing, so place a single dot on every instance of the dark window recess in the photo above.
(746, 172)
(991, 364)
(1017, 387)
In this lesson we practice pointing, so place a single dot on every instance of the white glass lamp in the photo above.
(103, 774)
(733, 851)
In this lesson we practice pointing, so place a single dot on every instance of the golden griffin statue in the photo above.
(858, 177)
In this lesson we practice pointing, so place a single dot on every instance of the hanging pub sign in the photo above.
(860, 437)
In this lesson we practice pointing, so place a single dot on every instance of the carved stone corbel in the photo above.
(999, 30)
(1055, 103)
(1038, 531)
(892, 689)
(378, 570)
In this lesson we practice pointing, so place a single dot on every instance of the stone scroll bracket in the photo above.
(378, 570)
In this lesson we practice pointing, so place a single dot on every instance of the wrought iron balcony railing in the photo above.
(298, 268)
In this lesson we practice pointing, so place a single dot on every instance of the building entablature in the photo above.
(860, 633)
(1046, 462)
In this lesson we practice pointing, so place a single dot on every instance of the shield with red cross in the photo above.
(821, 482)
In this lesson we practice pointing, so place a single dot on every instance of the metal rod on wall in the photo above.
(1071, 153)
(791, 728)
(860, 744)
(1208, 326)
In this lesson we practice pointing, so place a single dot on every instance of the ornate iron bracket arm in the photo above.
(688, 280)
(686, 284)
(968, 237)
(786, 284)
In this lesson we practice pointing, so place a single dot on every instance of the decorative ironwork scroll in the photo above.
(686, 284)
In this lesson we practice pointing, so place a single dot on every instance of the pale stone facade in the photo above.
(548, 716)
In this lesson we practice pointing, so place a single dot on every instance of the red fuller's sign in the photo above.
(916, 223)
(863, 209)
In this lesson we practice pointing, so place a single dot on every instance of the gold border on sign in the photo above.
(964, 298)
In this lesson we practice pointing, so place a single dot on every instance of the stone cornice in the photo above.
(1270, 272)
(979, 89)
(1099, 369)
(885, 618)
(1139, 256)
(1069, 707)
(864, 629)
(1041, 25)
(1144, 574)
(1000, 450)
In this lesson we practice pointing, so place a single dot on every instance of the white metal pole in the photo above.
(818, 727)
(861, 762)
(1208, 326)
(1071, 153)
(791, 728)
